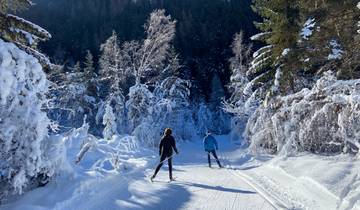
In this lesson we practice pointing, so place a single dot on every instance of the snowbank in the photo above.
(322, 120)
(308, 181)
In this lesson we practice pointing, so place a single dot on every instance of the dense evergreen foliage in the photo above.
(305, 38)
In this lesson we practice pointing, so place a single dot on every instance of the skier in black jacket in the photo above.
(166, 147)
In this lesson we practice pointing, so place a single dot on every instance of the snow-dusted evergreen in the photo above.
(239, 81)
(138, 105)
(29, 157)
(69, 97)
(24, 34)
(109, 121)
(112, 70)
(23, 125)
(241, 102)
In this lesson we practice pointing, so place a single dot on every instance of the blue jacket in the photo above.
(210, 143)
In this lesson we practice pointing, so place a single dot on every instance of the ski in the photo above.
(172, 180)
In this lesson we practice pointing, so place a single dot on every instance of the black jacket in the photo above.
(167, 145)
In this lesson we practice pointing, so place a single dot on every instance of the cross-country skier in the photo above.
(210, 145)
(166, 147)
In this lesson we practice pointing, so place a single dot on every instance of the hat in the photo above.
(168, 132)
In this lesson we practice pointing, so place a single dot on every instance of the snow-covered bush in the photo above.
(101, 155)
(323, 120)
(23, 124)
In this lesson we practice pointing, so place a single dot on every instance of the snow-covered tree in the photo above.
(89, 68)
(23, 124)
(147, 59)
(203, 119)
(90, 79)
(24, 143)
(171, 108)
(217, 92)
(111, 66)
(219, 121)
(117, 101)
(322, 120)
(239, 65)
(24, 34)
(149, 56)
(76, 69)
(70, 98)
(109, 121)
(240, 104)
(139, 105)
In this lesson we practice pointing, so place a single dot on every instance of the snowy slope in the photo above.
(247, 182)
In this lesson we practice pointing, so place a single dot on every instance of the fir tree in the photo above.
(24, 34)
(89, 69)
(90, 77)
(111, 69)
(109, 121)
(280, 29)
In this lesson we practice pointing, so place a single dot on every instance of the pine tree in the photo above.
(242, 101)
(24, 143)
(76, 69)
(111, 69)
(90, 77)
(24, 34)
(217, 92)
(109, 121)
(334, 23)
(280, 29)
(89, 69)
(139, 105)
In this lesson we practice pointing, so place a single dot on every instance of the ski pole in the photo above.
(166, 159)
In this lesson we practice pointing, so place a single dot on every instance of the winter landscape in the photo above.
(179, 104)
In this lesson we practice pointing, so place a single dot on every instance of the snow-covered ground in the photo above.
(247, 182)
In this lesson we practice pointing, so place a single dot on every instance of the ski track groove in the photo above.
(273, 201)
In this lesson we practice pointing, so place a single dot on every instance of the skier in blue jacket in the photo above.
(210, 145)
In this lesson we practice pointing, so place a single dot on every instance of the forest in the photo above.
(94, 82)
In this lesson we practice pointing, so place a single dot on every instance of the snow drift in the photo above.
(322, 120)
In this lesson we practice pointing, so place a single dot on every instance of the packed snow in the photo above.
(116, 176)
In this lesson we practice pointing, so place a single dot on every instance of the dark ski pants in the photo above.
(162, 160)
(215, 156)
